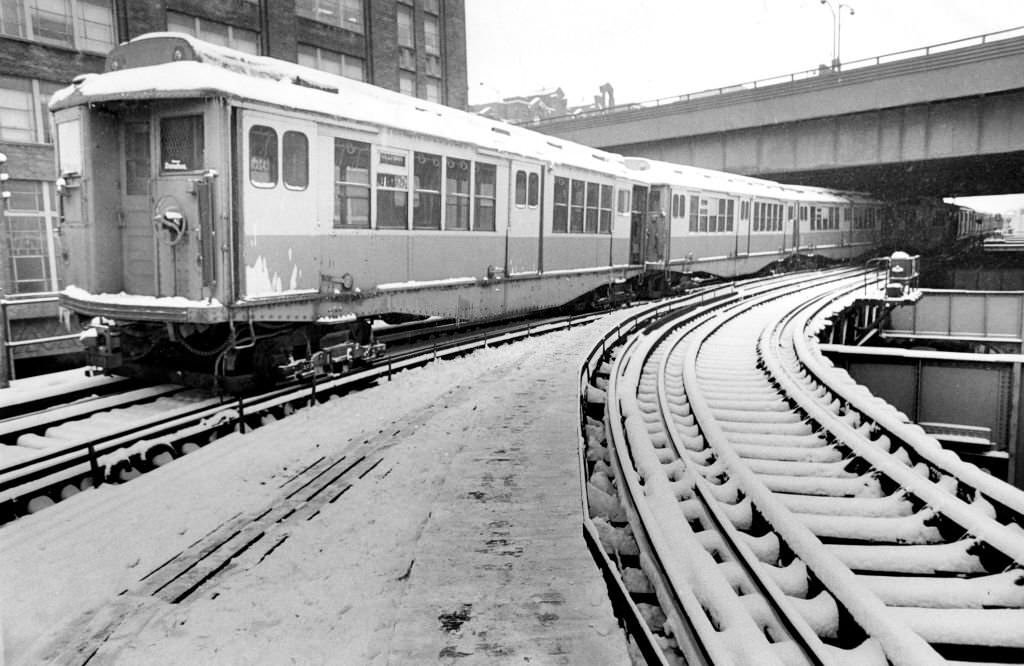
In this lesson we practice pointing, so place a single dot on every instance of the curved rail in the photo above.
(816, 530)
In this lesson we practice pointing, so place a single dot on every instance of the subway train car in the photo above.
(224, 214)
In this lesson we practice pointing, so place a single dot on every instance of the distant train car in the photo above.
(225, 214)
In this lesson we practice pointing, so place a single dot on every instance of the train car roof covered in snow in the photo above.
(171, 65)
(681, 175)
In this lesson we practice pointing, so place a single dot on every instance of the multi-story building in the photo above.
(417, 47)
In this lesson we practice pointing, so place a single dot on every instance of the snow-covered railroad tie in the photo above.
(790, 526)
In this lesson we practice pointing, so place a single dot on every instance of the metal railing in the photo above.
(964, 42)
(7, 345)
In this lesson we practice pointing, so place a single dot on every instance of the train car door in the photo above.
(138, 236)
(637, 229)
(794, 219)
(181, 149)
(525, 231)
(658, 201)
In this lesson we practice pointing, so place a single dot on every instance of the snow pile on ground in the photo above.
(329, 591)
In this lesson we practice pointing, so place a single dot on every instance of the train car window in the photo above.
(579, 195)
(560, 219)
(815, 217)
(295, 160)
(534, 191)
(654, 201)
(702, 223)
(623, 207)
(486, 196)
(181, 143)
(744, 210)
(675, 205)
(715, 211)
(520, 188)
(351, 184)
(136, 158)
(694, 216)
(593, 199)
(392, 201)
(426, 203)
(833, 217)
(262, 156)
(457, 201)
(789, 213)
(730, 208)
(605, 226)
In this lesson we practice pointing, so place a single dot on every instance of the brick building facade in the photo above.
(414, 46)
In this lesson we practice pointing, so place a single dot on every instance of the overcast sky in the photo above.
(656, 48)
(660, 48)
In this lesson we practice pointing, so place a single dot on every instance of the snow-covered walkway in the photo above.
(464, 543)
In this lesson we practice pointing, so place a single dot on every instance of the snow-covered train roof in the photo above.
(174, 65)
(682, 175)
(167, 65)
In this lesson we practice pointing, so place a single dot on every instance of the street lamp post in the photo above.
(837, 28)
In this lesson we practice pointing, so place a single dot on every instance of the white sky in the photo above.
(660, 48)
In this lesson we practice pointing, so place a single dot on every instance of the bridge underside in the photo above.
(958, 176)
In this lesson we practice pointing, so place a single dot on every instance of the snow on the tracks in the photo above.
(328, 593)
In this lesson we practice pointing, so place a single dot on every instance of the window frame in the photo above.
(284, 161)
(422, 159)
(273, 160)
(75, 23)
(453, 198)
(341, 185)
(163, 170)
(479, 199)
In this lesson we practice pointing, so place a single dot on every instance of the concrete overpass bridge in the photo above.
(944, 120)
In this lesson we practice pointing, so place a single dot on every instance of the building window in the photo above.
(431, 36)
(432, 6)
(86, 25)
(486, 195)
(406, 33)
(432, 90)
(262, 156)
(95, 28)
(24, 116)
(457, 189)
(295, 160)
(332, 61)
(407, 83)
(17, 111)
(351, 184)
(29, 221)
(560, 221)
(426, 207)
(347, 14)
(247, 41)
(432, 66)
(181, 143)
